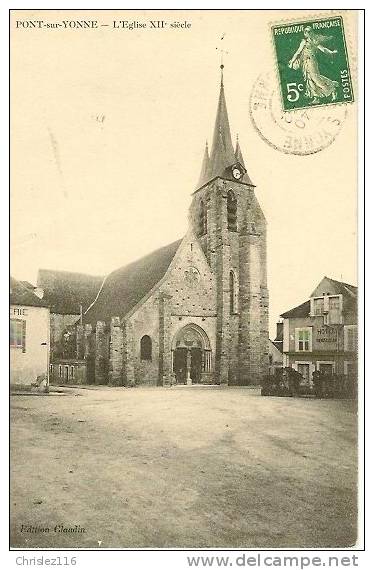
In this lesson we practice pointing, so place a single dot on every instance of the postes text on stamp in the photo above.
(312, 63)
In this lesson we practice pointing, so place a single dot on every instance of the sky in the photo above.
(108, 128)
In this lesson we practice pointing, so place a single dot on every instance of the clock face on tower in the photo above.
(236, 173)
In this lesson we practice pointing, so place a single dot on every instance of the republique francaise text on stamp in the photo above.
(312, 63)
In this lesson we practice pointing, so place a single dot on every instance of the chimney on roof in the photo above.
(279, 329)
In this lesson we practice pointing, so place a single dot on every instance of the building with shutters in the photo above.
(29, 338)
(321, 334)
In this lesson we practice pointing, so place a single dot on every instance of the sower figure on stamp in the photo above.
(317, 85)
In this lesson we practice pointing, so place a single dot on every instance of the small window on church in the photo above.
(233, 294)
(202, 218)
(231, 212)
(146, 348)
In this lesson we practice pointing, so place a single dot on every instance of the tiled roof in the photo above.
(343, 286)
(302, 310)
(348, 291)
(22, 294)
(125, 287)
(66, 291)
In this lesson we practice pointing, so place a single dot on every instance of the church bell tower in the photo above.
(231, 227)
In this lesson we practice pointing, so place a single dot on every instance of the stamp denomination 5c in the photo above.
(312, 63)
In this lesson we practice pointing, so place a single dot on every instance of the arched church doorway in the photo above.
(191, 355)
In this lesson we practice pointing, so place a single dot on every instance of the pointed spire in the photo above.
(238, 152)
(203, 178)
(240, 159)
(222, 154)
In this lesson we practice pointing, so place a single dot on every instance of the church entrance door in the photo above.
(195, 365)
(180, 365)
(187, 360)
(191, 355)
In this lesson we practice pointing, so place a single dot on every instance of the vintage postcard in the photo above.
(184, 288)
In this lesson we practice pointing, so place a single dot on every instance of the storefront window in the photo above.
(304, 370)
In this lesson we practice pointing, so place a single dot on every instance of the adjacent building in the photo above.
(321, 333)
(275, 357)
(29, 336)
(68, 294)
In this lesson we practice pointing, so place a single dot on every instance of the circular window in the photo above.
(192, 276)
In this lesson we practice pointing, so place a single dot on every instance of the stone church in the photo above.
(196, 310)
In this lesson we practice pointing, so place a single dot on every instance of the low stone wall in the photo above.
(68, 371)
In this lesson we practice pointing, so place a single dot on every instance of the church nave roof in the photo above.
(125, 287)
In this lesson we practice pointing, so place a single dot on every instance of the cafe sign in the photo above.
(18, 311)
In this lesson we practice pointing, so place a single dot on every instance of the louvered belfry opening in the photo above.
(232, 207)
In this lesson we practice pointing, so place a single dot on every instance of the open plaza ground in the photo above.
(188, 467)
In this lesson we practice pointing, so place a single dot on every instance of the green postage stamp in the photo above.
(312, 62)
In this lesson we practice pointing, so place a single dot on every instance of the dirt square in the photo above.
(194, 467)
